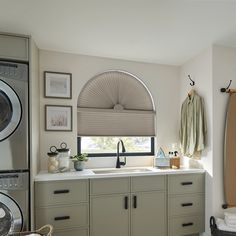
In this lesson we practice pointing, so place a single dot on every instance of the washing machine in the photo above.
(14, 112)
(14, 196)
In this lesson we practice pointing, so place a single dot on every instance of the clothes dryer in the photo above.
(14, 194)
(14, 110)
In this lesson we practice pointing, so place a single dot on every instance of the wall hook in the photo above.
(223, 90)
(192, 83)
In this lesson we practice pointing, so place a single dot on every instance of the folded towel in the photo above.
(231, 216)
(221, 225)
(230, 219)
(230, 222)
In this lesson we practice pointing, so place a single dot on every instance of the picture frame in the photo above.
(57, 85)
(58, 118)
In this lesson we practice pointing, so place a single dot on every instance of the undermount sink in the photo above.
(120, 171)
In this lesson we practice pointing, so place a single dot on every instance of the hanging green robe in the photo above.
(193, 126)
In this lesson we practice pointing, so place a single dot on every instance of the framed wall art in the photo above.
(57, 85)
(58, 118)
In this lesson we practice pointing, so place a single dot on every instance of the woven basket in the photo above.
(216, 232)
(46, 230)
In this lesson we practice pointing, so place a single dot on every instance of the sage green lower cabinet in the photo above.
(136, 210)
(64, 205)
(152, 205)
(186, 204)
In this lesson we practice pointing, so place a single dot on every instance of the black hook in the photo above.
(192, 81)
(223, 90)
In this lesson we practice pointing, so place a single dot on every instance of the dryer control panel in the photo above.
(14, 181)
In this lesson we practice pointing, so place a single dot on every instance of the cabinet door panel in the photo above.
(109, 216)
(52, 193)
(188, 225)
(148, 183)
(109, 186)
(186, 183)
(63, 216)
(149, 215)
(71, 232)
(13, 47)
(186, 204)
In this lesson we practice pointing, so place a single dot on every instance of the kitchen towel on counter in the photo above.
(193, 126)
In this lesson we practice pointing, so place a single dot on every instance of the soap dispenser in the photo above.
(175, 161)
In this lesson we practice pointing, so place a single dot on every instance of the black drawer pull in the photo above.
(61, 191)
(187, 183)
(186, 204)
(135, 201)
(126, 202)
(62, 218)
(187, 224)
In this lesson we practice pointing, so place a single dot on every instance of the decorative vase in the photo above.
(79, 165)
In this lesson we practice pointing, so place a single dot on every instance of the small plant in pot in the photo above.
(79, 161)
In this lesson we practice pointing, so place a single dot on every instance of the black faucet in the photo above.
(118, 162)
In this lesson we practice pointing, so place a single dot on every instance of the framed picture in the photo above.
(57, 85)
(58, 118)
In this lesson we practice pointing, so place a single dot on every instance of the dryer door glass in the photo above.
(10, 110)
(5, 111)
(11, 219)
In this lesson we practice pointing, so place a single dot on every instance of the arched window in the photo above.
(116, 104)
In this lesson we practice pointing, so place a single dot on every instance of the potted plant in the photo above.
(79, 161)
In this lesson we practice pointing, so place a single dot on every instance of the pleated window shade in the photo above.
(115, 103)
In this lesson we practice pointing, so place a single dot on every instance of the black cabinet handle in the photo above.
(61, 191)
(62, 218)
(135, 201)
(126, 202)
(187, 183)
(187, 224)
(186, 204)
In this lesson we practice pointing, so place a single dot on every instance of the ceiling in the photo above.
(156, 31)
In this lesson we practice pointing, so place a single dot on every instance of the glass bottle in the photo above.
(53, 161)
(64, 157)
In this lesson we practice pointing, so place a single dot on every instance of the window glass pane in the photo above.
(109, 144)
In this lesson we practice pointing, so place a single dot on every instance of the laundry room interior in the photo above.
(117, 118)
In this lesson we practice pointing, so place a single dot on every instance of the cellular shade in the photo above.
(115, 103)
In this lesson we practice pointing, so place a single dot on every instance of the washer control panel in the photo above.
(14, 181)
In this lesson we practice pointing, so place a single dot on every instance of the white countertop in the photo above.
(89, 174)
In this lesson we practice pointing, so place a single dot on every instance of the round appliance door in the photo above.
(11, 217)
(10, 110)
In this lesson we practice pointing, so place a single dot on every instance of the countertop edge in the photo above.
(44, 176)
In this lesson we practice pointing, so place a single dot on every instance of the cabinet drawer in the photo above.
(109, 186)
(13, 47)
(61, 192)
(147, 183)
(63, 217)
(186, 204)
(186, 183)
(71, 232)
(186, 225)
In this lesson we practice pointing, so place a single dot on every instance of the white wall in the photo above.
(224, 69)
(200, 69)
(162, 80)
(212, 70)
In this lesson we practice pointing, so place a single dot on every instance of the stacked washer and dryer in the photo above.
(14, 147)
